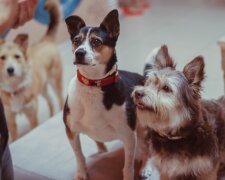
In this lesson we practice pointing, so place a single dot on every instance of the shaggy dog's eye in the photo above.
(77, 41)
(3, 57)
(16, 56)
(166, 89)
(96, 42)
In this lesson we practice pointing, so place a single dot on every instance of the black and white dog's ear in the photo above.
(74, 23)
(22, 41)
(194, 73)
(159, 58)
(111, 24)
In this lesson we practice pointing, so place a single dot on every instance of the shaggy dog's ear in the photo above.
(159, 58)
(194, 72)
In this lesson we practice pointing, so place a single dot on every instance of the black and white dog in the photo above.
(99, 102)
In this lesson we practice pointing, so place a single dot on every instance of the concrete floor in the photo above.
(189, 28)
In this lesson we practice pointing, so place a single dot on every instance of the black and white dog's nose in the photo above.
(10, 70)
(139, 94)
(80, 53)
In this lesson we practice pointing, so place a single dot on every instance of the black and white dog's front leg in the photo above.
(81, 173)
(74, 139)
(129, 142)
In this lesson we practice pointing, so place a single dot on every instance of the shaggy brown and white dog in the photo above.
(25, 72)
(185, 134)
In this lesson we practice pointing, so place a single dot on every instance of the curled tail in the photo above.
(52, 7)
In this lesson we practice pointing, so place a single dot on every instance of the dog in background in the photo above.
(26, 71)
(184, 134)
(99, 101)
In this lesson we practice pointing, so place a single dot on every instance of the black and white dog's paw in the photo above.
(81, 175)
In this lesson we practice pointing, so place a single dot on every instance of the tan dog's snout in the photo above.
(10, 70)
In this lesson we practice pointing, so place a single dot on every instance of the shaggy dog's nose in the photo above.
(139, 94)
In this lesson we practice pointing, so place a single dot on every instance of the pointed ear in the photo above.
(74, 23)
(111, 24)
(159, 58)
(2, 41)
(22, 41)
(194, 72)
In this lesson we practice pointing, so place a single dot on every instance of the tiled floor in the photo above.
(189, 28)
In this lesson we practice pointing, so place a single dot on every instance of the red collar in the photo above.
(100, 82)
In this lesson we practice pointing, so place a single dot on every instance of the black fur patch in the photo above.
(83, 30)
(120, 92)
(107, 40)
(3, 131)
(111, 62)
(66, 110)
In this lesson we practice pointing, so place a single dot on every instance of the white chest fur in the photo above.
(18, 103)
(175, 166)
(89, 116)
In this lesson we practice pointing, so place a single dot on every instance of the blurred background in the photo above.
(189, 28)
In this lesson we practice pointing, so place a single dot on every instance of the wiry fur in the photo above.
(103, 113)
(185, 134)
(33, 68)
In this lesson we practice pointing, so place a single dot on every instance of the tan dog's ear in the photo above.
(111, 24)
(194, 72)
(2, 41)
(74, 23)
(22, 41)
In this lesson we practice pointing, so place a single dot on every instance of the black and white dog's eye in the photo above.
(96, 42)
(3, 57)
(166, 89)
(77, 41)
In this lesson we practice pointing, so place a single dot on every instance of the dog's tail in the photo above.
(52, 7)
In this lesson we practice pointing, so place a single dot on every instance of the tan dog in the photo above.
(26, 71)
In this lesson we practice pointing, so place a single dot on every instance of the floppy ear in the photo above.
(159, 58)
(111, 24)
(22, 41)
(194, 72)
(74, 23)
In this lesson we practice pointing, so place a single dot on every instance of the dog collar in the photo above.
(114, 77)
